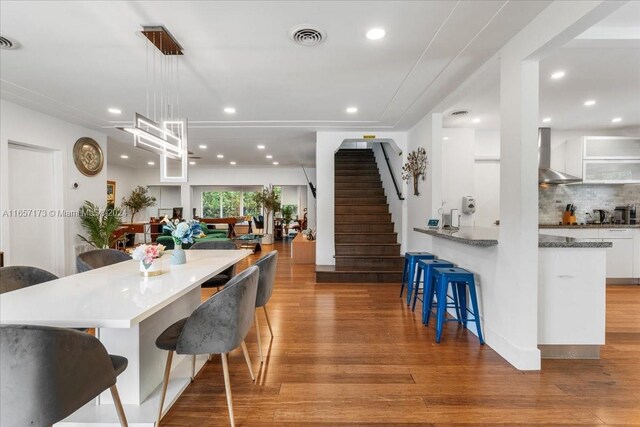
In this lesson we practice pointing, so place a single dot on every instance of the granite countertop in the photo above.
(546, 241)
(474, 236)
(589, 226)
(488, 236)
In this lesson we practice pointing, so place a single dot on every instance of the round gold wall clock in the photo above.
(88, 156)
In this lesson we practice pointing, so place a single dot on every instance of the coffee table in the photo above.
(249, 241)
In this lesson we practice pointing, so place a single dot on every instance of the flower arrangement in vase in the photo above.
(147, 254)
(181, 232)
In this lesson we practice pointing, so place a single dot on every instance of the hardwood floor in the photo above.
(355, 355)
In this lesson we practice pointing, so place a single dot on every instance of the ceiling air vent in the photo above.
(7, 43)
(459, 113)
(307, 35)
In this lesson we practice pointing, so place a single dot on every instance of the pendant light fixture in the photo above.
(166, 133)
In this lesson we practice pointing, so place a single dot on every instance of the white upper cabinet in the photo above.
(604, 159)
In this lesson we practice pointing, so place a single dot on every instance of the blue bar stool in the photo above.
(427, 266)
(461, 280)
(410, 259)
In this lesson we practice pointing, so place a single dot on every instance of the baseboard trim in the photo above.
(569, 351)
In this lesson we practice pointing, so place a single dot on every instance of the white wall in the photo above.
(203, 175)
(24, 126)
(124, 177)
(457, 171)
(427, 133)
(327, 143)
(486, 182)
(395, 204)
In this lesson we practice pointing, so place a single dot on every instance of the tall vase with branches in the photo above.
(138, 199)
(415, 168)
(99, 224)
(270, 202)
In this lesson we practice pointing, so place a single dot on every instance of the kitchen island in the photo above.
(571, 291)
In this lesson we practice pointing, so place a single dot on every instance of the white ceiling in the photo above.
(602, 64)
(79, 58)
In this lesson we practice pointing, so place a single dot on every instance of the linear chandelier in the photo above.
(166, 133)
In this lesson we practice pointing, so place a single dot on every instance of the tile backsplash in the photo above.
(586, 197)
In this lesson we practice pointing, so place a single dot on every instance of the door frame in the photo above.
(58, 203)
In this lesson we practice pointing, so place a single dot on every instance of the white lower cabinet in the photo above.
(623, 258)
(620, 256)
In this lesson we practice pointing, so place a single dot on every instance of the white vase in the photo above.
(150, 270)
(178, 256)
(267, 239)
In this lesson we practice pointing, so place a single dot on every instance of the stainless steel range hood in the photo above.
(546, 175)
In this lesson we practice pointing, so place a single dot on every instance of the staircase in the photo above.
(366, 247)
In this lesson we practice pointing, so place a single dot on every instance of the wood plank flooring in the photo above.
(356, 355)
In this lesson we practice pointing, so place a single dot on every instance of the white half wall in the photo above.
(327, 143)
(27, 127)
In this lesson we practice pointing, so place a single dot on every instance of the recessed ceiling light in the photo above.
(446, 138)
(558, 75)
(115, 111)
(229, 110)
(151, 163)
(204, 147)
(269, 156)
(232, 163)
(220, 156)
(476, 120)
(192, 163)
(124, 156)
(616, 120)
(590, 102)
(276, 163)
(261, 147)
(352, 110)
(376, 33)
(546, 120)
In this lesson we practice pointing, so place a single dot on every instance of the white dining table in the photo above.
(129, 312)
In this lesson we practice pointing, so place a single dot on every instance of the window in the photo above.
(249, 206)
(211, 204)
(230, 204)
(221, 204)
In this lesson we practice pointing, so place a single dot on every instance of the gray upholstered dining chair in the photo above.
(267, 265)
(22, 276)
(49, 373)
(218, 325)
(99, 258)
(223, 277)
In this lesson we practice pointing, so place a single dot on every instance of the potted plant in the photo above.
(287, 216)
(138, 200)
(99, 224)
(270, 202)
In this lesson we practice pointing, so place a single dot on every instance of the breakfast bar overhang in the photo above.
(569, 315)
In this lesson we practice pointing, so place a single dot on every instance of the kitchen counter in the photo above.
(488, 236)
(474, 236)
(589, 226)
(546, 241)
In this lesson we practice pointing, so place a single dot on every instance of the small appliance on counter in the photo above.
(569, 215)
(599, 216)
(625, 215)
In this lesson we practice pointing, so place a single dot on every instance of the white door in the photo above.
(32, 197)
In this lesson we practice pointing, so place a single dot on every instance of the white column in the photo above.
(515, 291)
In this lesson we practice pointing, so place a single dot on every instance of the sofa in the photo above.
(210, 234)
